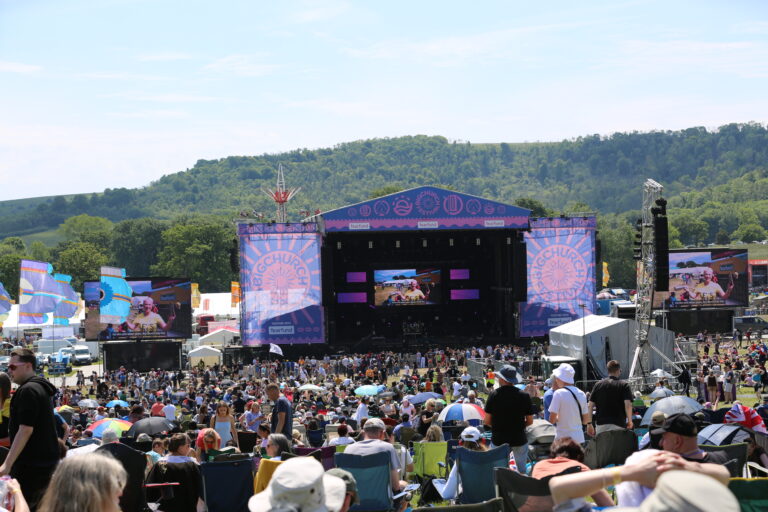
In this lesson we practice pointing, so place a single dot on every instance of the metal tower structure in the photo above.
(646, 281)
(281, 195)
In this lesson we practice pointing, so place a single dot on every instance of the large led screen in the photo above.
(161, 308)
(706, 278)
(406, 287)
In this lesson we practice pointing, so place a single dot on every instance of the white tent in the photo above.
(600, 338)
(223, 336)
(208, 355)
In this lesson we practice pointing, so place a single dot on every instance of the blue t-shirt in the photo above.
(283, 405)
(547, 400)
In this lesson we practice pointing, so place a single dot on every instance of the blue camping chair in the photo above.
(316, 438)
(227, 486)
(476, 472)
(372, 474)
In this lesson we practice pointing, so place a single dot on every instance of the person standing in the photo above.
(611, 399)
(568, 410)
(685, 379)
(281, 419)
(34, 450)
(507, 412)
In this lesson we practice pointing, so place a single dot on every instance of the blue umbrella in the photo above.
(423, 397)
(721, 433)
(121, 403)
(367, 390)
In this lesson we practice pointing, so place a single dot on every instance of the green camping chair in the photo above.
(752, 493)
(427, 458)
(737, 456)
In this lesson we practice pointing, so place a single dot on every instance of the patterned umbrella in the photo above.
(461, 412)
(119, 426)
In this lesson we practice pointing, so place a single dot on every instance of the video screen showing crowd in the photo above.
(156, 308)
(406, 287)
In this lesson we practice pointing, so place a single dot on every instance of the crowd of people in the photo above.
(273, 410)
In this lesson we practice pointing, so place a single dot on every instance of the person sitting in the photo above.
(296, 439)
(277, 444)
(471, 439)
(434, 435)
(179, 467)
(567, 453)
(207, 439)
(678, 435)
(157, 451)
(373, 442)
(675, 482)
(90, 483)
(343, 438)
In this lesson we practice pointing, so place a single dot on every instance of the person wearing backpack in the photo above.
(568, 410)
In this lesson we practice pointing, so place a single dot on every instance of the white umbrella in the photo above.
(310, 387)
(671, 405)
(661, 393)
(661, 374)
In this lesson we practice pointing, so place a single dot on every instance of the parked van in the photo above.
(755, 323)
(81, 354)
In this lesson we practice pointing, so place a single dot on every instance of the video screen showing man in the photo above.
(406, 287)
(148, 320)
(707, 279)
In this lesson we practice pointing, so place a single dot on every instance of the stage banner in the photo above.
(70, 301)
(281, 287)
(115, 303)
(39, 293)
(5, 300)
(235, 293)
(561, 273)
(195, 295)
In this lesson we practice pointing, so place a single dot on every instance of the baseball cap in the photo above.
(658, 418)
(471, 434)
(565, 373)
(374, 424)
(507, 373)
(349, 480)
(301, 483)
(680, 423)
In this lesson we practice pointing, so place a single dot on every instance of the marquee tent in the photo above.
(220, 337)
(208, 355)
(598, 339)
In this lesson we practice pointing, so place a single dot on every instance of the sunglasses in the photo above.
(13, 366)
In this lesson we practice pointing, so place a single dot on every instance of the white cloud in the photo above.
(164, 57)
(312, 12)
(165, 98)
(18, 67)
(241, 65)
(119, 75)
(150, 114)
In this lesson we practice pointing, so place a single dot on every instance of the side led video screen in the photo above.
(706, 278)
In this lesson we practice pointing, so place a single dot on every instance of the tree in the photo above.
(39, 251)
(537, 207)
(14, 244)
(135, 244)
(384, 191)
(749, 233)
(722, 238)
(692, 230)
(616, 246)
(197, 249)
(10, 266)
(86, 228)
(81, 260)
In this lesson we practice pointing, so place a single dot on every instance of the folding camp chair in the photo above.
(494, 505)
(372, 474)
(427, 458)
(340, 448)
(737, 456)
(227, 485)
(406, 434)
(522, 493)
(610, 448)
(476, 472)
(264, 474)
(315, 438)
(752, 493)
(247, 440)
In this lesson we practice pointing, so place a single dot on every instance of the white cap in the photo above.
(565, 373)
(301, 482)
(471, 434)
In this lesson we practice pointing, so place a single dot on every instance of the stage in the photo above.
(422, 267)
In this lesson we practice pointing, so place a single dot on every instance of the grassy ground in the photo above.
(49, 238)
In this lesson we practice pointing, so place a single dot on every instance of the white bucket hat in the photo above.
(301, 483)
(565, 373)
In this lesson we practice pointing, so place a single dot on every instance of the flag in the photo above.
(275, 349)
(195, 295)
(116, 294)
(746, 417)
(39, 293)
(5, 300)
(606, 275)
(235, 288)
(70, 301)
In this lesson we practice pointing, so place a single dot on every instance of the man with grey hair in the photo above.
(374, 434)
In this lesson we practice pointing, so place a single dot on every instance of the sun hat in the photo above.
(507, 373)
(565, 373)
(300, 483)
(349, 480)
(471, 434)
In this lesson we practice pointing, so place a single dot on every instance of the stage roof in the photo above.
(426, 208)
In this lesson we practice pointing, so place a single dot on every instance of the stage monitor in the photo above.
(706, 278)
(352, 297)
(458, 274)
(357, 277)
(161, 308)
(407, 287)
(469, 294)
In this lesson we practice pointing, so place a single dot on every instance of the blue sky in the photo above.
(117, 93)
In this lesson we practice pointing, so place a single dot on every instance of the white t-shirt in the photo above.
(568, 418)
(170, 412)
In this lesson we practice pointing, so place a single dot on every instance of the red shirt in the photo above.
(157, 409)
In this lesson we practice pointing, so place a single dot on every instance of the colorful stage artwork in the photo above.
(70, 301)
(561, 273)
(281, 293)
(39, 293)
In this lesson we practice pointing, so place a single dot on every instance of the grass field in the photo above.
(50, 238)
